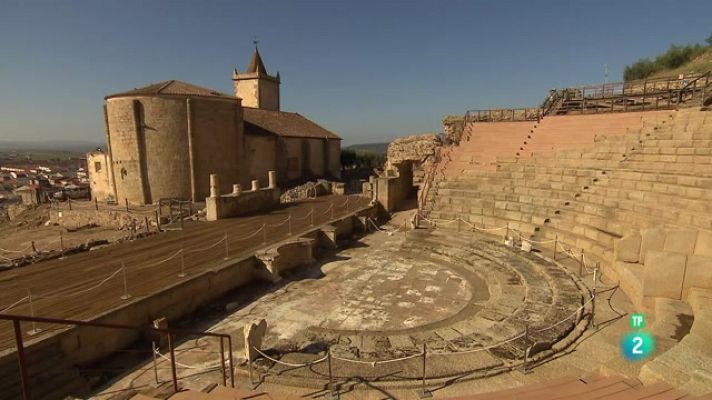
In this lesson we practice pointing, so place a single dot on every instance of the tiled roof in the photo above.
(172, 88)
(285, 124)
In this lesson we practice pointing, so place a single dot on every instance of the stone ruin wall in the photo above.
(453, 127)
(419, 149)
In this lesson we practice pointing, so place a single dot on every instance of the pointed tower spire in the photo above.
(255, 86)
(256, 64)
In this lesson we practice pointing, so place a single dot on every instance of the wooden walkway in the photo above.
(86, 284)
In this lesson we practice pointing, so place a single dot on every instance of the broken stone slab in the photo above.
(254, 333)
(651, 239)
(698, 273)
(680, 241)
(627, 249)
(664, 273)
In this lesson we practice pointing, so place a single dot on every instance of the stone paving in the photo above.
(386, 296)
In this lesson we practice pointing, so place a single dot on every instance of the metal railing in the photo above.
(505, 115)
(170, 335)
(638, 95)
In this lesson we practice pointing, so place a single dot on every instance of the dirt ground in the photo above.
(16, 236)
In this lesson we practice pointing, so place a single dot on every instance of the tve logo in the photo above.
(638, 344)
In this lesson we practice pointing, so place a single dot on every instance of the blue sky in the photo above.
(368, 70)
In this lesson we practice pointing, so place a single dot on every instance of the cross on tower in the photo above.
(254, 40)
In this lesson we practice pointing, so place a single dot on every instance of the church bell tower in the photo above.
(255, 86)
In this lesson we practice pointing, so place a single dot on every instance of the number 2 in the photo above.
(638, 344)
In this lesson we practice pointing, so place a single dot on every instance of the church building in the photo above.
(165, 139)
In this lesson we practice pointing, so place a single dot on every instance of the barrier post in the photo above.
(126, 294)
(333, 394)
(34, 247)
(581, 264)
(69, 201)
(526, 360)
(126, 203)
(182, 264)
(289, 223)
(556, 242)
(155, 362)
(173, 362)
(145, 219)
(593, 302)
(180, 214)
(35, 330)
(332, 209)
(424, 393)
(249, 370)
(222, 361)
(61, 245)
(158, 220)
(24, 378)
(96, 204)
(506, 235)
(227, 248)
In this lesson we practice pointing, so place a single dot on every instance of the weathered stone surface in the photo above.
(453, 127)
(412, 148)
(703, 247)
(254, 333)
(628, 248)
(698, 273)
(651, 239)
(664, 273)
(680, 241)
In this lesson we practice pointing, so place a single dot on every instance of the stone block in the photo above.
(698, 273)
(680, 241)
(628, 248)
(703, 246)
(664, 274)
(651, 239)
(254, 333)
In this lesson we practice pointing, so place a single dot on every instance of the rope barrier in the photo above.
(205, 368)
(382, 230)
(377, 362)
(11, 306)
(567, 318)
(304, 217)
(29, 246)
(290, 364)
(532, 241)
(205, 248)
(172, 256)
(251, 235)
(492, 346)
(60, 296)
(331, 205)
(279, 224)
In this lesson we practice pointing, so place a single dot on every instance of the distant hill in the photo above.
(46, 150)
(678, 59)
(378, 148)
